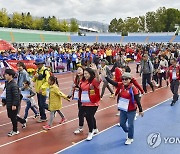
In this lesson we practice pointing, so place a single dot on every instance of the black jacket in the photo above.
(12, 94)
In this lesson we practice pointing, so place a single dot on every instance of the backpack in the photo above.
(42, 76)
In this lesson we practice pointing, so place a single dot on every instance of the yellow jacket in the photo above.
(55, 98)
(41, 84)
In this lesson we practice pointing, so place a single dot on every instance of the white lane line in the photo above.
(109, 128)
(2, 145)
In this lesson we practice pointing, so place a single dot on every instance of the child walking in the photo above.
(55, 101)
(28, 97)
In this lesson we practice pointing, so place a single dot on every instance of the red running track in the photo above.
(33, 139)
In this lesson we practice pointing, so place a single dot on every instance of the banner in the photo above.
(28, 63)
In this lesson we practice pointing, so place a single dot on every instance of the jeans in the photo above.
(124, 116)
(42, 105)
(28, 106)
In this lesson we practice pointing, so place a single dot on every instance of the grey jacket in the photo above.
(146, 67)
(22, 77)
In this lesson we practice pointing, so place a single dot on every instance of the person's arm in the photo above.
(137, 85)
(113, 68)
(114, 83)
(15, 95)
(137, 99)
(32, 93)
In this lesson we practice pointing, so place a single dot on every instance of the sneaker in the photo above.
(24, 125)
(95, 131)
(47, 127)
(128, 141)
(36, 116)
(101, 99)
(173, 102)
(90, 136)
(41, 120)
(63, 120)
(12, 133)
(118, 114)
(118, 124)
(77, 131)
(112, 95)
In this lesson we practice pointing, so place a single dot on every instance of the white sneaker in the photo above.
(90, 136)
(118, 114)
(129, 141)
(118, 124)
(95, 131)
(12, 133)
(77, 131)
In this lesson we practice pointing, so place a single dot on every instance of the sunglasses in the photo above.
(125, 79)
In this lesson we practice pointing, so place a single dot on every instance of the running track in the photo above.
(35, 140)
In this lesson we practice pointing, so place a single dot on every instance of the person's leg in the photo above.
(81, 114)
(149, 81)
(123, 119)
(12, 114)
(42, 104)
(160, 80)
(175, 91)
(51, 118)
(131, 116)
(144, 82)
(110, 90)
(103, 88)
(61, 114)
(28, 105)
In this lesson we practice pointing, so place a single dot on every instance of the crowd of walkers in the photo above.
(98, 63)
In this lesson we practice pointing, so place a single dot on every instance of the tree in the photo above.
(113, 25)
(74, 26)
(38, 23)
(131, 24)
(27, 21)
(16, 21)
(151, 21)
(4, 19)
(53, 24)
(142, 24)
(64, 26)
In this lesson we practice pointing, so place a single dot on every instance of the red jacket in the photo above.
(118, 74)
(170, 72)
(136, 84)
(124, 93)
(93, 91)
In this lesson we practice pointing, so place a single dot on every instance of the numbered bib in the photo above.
(174, 77)
(76, 95)
(123, 104)
(85, 97)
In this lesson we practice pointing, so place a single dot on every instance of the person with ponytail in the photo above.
(55, 101)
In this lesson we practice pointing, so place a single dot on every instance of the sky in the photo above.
(87, 10)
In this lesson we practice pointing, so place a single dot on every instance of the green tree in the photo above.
(53, 24)
(113, 25)
(4, 19)
(16, 21)
(173, 17)
(74, 26)
(151, 21)
(131, 24)
(28, 21)
(63, 26)
(38, 23)
(142, 25)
